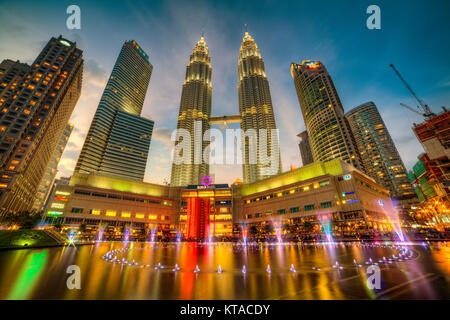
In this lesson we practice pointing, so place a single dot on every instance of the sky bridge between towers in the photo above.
(224, 120)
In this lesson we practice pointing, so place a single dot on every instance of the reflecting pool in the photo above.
(115, 270)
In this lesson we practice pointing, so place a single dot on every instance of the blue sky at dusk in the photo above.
(414, 35)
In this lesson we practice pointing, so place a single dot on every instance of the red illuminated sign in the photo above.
(198, 210)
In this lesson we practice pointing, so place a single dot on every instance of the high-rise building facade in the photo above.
(380, 157)
(256, 110)
(305, 149)
(328, 131)
(33, 117)
(11, 73)
(50, 173)
(195, 111)
(118, 140)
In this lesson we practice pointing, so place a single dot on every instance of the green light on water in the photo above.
(28, 276)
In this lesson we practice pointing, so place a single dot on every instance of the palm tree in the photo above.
(82, 227)
(268, 228)
(27, 219)
(308, 226)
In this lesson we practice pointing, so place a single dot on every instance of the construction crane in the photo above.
(426, 112)
(412, 109)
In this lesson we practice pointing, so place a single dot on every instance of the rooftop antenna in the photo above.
(245, 27)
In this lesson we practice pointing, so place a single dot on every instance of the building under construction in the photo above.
(431, 174)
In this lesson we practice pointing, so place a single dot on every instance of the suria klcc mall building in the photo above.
(323, 193)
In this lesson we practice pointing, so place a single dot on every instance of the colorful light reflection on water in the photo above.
(417, 271)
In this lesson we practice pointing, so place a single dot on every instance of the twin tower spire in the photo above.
(256, 116)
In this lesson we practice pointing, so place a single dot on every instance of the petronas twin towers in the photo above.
(195, 111)
(259, 135)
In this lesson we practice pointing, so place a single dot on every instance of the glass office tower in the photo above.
(328, 131)
(119, 138)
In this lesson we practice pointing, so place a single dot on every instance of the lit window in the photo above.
(152, 216)
(95, 212)
(110, 213)
(62, 193)
(54, 213)
(140, 216)
(126, 215)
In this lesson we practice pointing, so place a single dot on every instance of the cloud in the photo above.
(163, 135)
(445, 83)
(95, 74)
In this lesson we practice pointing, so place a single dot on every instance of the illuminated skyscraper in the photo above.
(11, 73)
(305, 149)
(50, 173)
(119, 138)
(378, 152)
(33, 116)
(195, 111)
(328, 131)
(255, 107)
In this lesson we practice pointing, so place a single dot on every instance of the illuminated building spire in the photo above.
(194, 114)
(255, 107)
